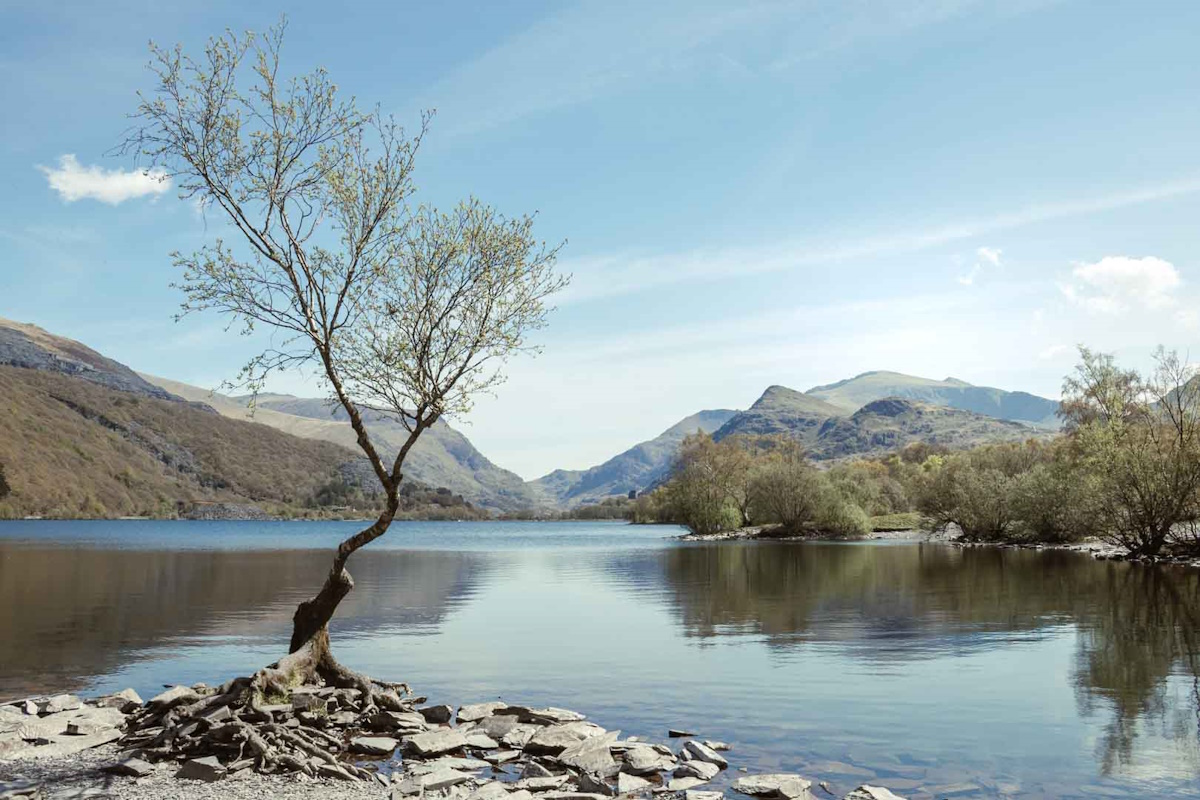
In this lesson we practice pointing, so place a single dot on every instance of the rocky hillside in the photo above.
(828, 431)
(854, 393)
(72, 447)
(637, 468)
(442, 456)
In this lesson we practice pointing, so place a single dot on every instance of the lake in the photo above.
(931, 669)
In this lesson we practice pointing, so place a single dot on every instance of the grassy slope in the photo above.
(441, 457)
(73, 448)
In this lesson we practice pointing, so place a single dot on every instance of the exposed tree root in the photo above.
(277, 720)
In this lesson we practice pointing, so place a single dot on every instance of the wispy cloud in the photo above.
(1054, 351)
(618, 274)
(73, 181)
(989, 256)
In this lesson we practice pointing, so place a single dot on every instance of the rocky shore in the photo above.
(66, 748)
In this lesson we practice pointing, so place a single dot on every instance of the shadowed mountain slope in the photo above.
(637, 468)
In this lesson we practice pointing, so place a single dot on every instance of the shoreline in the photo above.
(1096, 548)
(62, 747)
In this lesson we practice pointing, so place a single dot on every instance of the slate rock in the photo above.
(697, 769)
(701, 753)
(685, 783)
(434, 743)
(592, 755)
(866, 792)
(594, 784)
(554, 739)
(131, 767)
(541, 784)
(175, 696)
(308, 701)
(720, 747)
(519, 736)
(60, 703)
(30, 708)
(477, 711)
(781, 786)
(439, 715)
(482, 741)
(374, 745)
(126, 701)
(206, 769)
(696, 794)
(502, 756)
(677, 733)
(533, 769)
(643, 759)
(629, 784)
(492, 790)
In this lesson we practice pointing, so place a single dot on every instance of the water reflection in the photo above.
(68, 615)
(1138, 628)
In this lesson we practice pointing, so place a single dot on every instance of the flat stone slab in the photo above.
(125, 700)
(555, 739)
(642, 759)
(701, 753)
(207, 769)
(434, 743)
(477, 711)
(783, 786)
(176, 695)
(866, 792)
(439, 714)
(592, 755)
(482, 741)
(685, 783)
(697, 769)
(59, 703)
(628, 784)
(431, 781)
(130, 767)
(374, 745)
(696, 794)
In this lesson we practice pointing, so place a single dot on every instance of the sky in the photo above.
(749, 194)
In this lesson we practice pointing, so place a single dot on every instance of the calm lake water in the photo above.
(936, 671)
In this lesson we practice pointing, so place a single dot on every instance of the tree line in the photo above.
(1125, 469)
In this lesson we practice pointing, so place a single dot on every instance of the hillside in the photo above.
(72, 447)
(854, 393)
(827, 432)
(781, 410)
(635, 469)
(442, 456)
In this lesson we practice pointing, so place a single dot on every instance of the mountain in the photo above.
(827, 431)
(781, 410)
(637, 468)
(441, 457)
(854, 393)
(73, 447)
(30, 347)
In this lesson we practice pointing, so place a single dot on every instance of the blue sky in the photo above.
(751, 194)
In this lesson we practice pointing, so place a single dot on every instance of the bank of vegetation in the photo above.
(1125, 470)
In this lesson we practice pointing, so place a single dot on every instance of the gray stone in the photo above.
(701, 753)
(60, 703)
(482, 741)
(126, 701)
(628, 784)
(438, 715)
(533, 769)
(685, 783)
(594, 784)
(697, 769)
(477, 711)
(781, 786)
(441, 779)
(554, 716)
(502, 756)
(714, 745)
(519, 736)
(593, 755)
(492, 790)
(207, 769)
(434, 743)
(642, 760)
(542, 784)
(343, 719)
(497, 725)
(554, 739)
(176, 695)
(308, 701)
(405, 721)
(567, 795)
(374, 745)
(866, 792)
(695, 794)
(30, 708)
(215, 716)
(449, 762)
(131, 767)
(678, 733)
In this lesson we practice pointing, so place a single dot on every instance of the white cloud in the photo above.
(1117, 284)
(990, 254)
(1054, 351)
(73, 181)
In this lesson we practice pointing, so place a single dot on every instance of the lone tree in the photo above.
(411, 312)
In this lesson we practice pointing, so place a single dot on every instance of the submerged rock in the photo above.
(781, 786)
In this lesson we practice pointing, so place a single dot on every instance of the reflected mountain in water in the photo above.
(70, 614)
(1138, 627)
